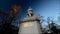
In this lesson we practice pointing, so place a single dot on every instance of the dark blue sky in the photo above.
(6, 4)
(45, 8)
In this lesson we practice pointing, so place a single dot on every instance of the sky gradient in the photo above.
(46, 8)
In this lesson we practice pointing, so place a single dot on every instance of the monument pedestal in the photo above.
(30, 25)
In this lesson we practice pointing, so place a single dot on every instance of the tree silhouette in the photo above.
(8, 17)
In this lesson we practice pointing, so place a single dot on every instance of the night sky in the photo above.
(46, 8)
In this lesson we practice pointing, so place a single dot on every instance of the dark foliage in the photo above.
(7, 27)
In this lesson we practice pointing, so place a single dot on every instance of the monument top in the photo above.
(31, 16)
(30, 12)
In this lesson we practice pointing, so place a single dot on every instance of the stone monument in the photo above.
(30, 24)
